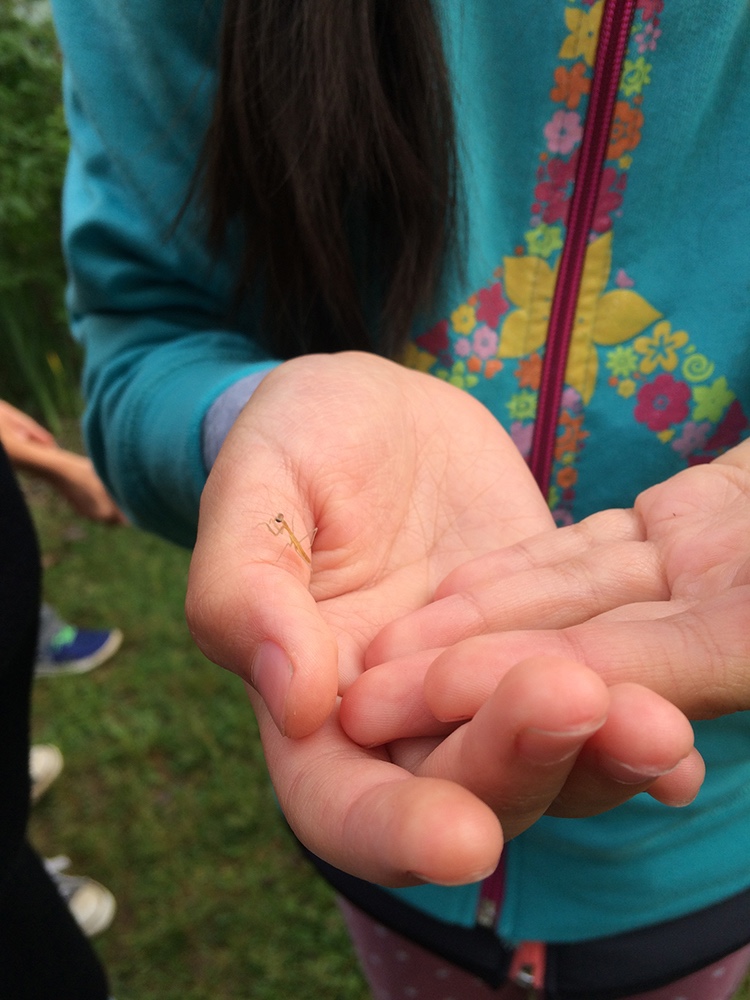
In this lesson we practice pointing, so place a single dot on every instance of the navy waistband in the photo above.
(599, 969)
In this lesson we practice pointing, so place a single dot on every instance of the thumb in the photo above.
(250, 610)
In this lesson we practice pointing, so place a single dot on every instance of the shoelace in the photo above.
(64, 637)
(66, 884)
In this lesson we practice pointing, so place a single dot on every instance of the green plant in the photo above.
(39, 363)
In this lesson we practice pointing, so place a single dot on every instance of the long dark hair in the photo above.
(332, 146)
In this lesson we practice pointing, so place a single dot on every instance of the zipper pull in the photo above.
(527, 967)
(491, 897)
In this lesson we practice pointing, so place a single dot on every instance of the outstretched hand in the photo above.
(658, 595)
(401, 478)
(33, 449)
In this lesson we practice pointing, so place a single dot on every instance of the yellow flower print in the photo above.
(660, 349)
(584, 31)
(414, 357)
(603, 319)
(464, 319)
(529, 284)
(626, 388)
(712, 400)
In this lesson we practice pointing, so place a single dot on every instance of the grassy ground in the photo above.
(164, 796)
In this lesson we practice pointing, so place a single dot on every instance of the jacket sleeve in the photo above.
(146, 300)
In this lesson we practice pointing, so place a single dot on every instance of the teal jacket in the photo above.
(658, 369)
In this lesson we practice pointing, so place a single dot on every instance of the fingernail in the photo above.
(468, 878)
(271, 675)
(542, 746)
(628, 775)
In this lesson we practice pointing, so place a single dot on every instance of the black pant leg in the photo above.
(43, 953)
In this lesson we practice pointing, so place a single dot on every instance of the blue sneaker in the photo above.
(65, 649)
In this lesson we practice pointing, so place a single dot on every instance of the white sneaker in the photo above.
(45, 765)
(91, 904)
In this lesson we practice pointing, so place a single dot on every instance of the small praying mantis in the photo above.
(278, 524)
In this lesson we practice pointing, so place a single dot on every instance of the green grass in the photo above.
(165, 798)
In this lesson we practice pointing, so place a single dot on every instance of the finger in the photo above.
(387, 703)
(365, 815)
(518, 750)
(250, 610)
(646, 744)
(680, 786)
(570, 591)
(696, 657)
(547, 548)
(34, 431)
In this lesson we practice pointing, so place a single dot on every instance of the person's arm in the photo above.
(34, 450)
(147, 301)
(17, 427)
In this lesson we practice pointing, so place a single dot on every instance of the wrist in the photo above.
(223, 412)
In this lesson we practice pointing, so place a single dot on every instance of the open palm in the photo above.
(399, 479)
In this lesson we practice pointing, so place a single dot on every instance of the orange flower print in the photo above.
(572, 84)
(529, 371)
(566, 478)
(569, 441)
(626, 130)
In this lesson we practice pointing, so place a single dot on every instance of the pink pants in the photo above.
(396, 969)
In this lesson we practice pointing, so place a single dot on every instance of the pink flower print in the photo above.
(492, 304)
(485, 342)
(608, 202)
(462, 347)
(571, 400)
(646, 39)
(650, 8)
(521, 435)
(555, 192)
(693, 438)
(563, 132)
(555, 202)
(562, 517)
(662, 403)
(623, 279)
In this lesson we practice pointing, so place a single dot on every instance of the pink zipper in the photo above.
(610, 53)
(528, 966)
